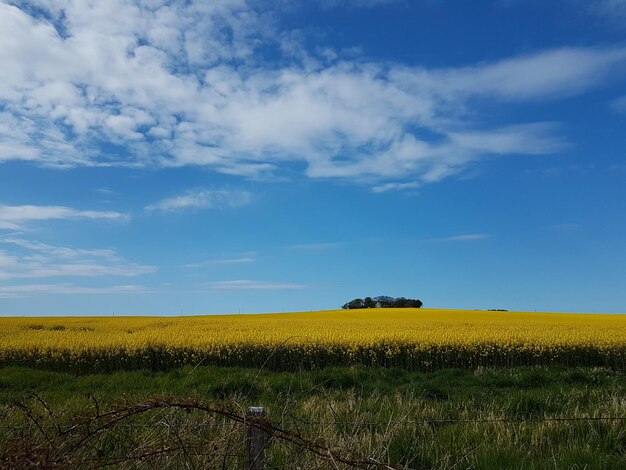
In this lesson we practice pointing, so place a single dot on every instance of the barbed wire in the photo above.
(88, 428)
(371, 423)
(67, 439)
(464, 421)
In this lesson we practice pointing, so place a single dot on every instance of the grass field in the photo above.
(415, 339)
(360, 411)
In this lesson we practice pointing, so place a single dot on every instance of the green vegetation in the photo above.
(361, 411)
(383, 301)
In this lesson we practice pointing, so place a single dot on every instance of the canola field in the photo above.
(416, 339)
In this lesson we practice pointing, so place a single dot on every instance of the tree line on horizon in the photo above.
(382, 301)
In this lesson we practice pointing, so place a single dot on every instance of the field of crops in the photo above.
(417, 339)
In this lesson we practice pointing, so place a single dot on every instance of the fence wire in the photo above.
(425, 422)
(88, 428)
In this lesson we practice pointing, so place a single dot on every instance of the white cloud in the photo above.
(553, 73)
(223, 261)
(253, 285)
(185, 83)
(318, 246)
(58, 251)
(30, 259)
(383, 188)
(26, 290)
(203, 199)
(530, 139)
(463, 238)
(14, 217)
(107, 191)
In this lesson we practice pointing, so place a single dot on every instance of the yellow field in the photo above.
(410, 338)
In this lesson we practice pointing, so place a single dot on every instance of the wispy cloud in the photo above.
(253, 285)
(15, 217)
(565, 227)
(59, 251)
(32, 259)
(555, 73)
(202, 199)
(619, 104)
(317, 246)
(105, 191)
(383, 188)
(167, 83)
(612, 10)
(468, 237)
(26, 290)
(222, 261)
(356, 3)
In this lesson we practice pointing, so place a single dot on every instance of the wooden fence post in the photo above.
(255, 441)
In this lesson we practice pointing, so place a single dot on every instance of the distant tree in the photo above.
(356, 303)
(399, 302)
(384, 301)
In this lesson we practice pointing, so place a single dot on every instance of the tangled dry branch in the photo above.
(61, 446)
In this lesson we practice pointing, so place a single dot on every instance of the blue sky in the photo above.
(180, 157)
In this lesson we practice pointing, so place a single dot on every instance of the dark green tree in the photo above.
(385, 302)
(356, 303)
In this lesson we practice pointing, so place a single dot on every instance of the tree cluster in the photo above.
(382, 301)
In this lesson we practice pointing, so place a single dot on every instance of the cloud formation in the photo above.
(222, 261)
(28, 259)
(463, 238)
(318, 246)
(186, 83)
(202, 199)
(26, 290)
(16, 217)
(383, 188)
(253, 285)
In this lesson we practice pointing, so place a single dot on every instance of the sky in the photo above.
(243, 156)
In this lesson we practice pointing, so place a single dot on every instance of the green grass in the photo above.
(362, 411)
(217, 382)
